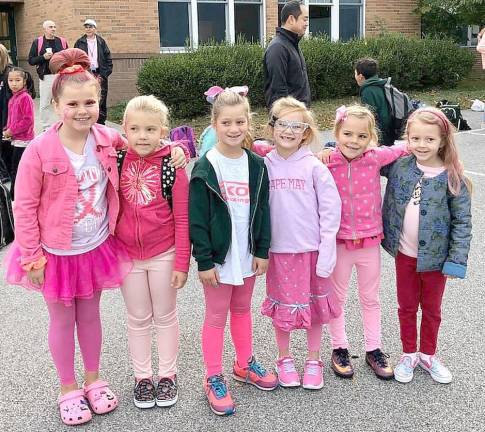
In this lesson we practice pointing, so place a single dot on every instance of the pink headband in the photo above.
(341, 114)
(215, 91)
(70, 70)
(438, 114)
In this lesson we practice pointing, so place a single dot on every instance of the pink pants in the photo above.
(367, 262)
(82, 314)
(218, 302)
(313, 338)
(151, 302)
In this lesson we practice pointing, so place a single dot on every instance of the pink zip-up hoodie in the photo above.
(305, 207)
(21, 116)
(359, 186)
(46, 191)
(147, 225)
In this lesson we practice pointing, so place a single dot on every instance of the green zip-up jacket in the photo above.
(372, 94)
(209, 218)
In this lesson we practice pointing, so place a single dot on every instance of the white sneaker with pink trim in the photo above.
(438, 371)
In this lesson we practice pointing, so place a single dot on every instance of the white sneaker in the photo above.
(404, 370)
(438, 371)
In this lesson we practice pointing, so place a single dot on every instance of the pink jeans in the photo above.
(82, 314)
(151, 302)
(218, 302)
(367, 262)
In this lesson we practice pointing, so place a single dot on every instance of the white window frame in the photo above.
(230, 21)
(362, 16)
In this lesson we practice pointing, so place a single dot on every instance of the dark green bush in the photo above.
(181, 79)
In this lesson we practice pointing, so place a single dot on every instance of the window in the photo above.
(320, 20)
(212, 21)
(247, 20)
(194, 22)
(174, 22)
(350, 19)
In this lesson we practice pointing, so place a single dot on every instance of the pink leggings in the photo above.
(151, 303)
(367, 262)
(313, 338)
(218, 302)
(84, 315)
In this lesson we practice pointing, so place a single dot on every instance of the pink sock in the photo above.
(242, 337)
(212, 344)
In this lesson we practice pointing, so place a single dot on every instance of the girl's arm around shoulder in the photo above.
(262, 148)
(180, 204)
(460, 233)
(27, 201)
(386, 155)
(329, 208)
(199, 223)
(263, 241)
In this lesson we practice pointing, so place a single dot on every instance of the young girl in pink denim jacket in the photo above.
(355, 165)
(66, 207)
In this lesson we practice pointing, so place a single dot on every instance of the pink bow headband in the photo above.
(215, 91)
(341, 114)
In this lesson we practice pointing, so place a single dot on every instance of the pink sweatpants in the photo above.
(218, 302)
(151, 302)
(367, 262)
(313, 338)
(82, 314)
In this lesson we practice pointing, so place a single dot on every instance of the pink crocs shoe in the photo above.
(74, 408)
(101, 399)
(313, 375)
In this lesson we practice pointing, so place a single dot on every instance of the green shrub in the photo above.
(181, 79)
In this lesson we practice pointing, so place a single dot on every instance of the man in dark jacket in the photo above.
(41, 51)
(101, 64)
(373, 95)
(284, 67)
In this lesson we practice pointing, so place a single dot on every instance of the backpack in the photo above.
(185, 134)
(400, 108)
(40, 42)
(6, 217)
(167, 175)
(207, 140)
(453, 112)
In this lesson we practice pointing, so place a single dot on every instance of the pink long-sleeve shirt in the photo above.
(20, 120)
(304, 206)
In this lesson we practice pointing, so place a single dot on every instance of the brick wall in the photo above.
(392, 15)
(271, 18)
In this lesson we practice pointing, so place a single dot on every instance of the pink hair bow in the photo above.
(341, 114)
(215, 91)
(71, 70)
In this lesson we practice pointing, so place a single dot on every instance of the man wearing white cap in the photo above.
(100, 57)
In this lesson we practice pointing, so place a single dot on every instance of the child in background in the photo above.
(427, 228)
(305, 217)
(65, 213)
(355, 165)
(20, 123)
(153, 225)
(230, 232)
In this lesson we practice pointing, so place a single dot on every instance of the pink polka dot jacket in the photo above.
(359, 186)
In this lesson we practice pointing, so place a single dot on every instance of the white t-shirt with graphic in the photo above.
(233, 178)
(91, 213)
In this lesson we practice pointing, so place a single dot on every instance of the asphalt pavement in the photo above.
(364, 403)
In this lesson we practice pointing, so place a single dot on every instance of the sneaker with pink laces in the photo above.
(313, 375)
(286, 371)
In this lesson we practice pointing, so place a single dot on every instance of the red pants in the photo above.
(416, 289)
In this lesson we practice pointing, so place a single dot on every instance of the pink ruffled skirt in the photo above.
(74, 276)
(296, 298)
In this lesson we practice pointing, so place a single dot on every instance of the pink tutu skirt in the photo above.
(296, 298)
(74, 276)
